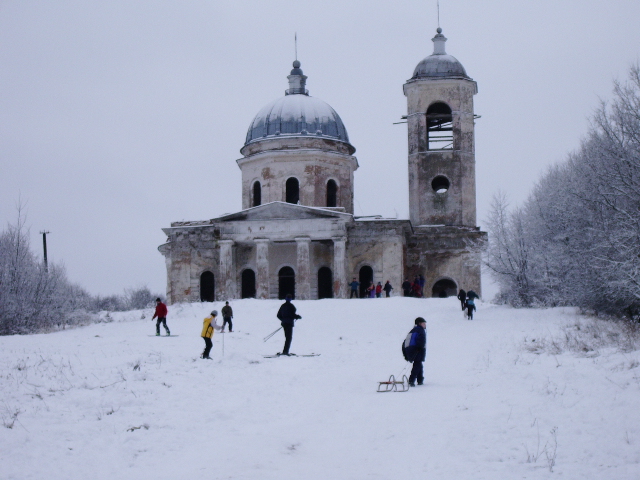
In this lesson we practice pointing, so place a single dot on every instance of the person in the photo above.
(471, 306)
(387, 289)
(208, 326)
(161, 313)
(287, 315)
(379, 290)
(406, 287)
(372, 290)
(415, 288)
(354, 288)
(414, 349)
(462, 296)
(227, 315)
(422, 282)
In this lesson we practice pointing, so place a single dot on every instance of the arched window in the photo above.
(444, 288)
(332, 194)
(248, 284)
(257, 194)
(292, 194)
(439, 127)
(286, 283)
(207, 287)
(365, 279)
(325, 283)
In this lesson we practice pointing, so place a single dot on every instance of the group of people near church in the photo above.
(415, 288)
(468, 302)
(371, 290)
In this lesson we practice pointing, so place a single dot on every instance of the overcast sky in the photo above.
(119, 117)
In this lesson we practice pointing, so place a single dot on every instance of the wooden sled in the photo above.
(393, 385)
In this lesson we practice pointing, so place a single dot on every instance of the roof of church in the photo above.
(296, 115)
(439, 64)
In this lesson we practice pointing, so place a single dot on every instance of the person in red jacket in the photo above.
(161, 313)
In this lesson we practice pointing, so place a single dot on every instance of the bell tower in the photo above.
(440, 120)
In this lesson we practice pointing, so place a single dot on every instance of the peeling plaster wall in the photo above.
(312, 168)
(446, 253)
(458, 205)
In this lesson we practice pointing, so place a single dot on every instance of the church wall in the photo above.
(312, 168)
(380, 245)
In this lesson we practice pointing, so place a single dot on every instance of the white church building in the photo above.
(297, 233)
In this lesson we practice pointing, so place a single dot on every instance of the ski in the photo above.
(277, 355)
(164, 335)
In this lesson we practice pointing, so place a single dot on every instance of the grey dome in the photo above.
(439, 64)
(297, 114)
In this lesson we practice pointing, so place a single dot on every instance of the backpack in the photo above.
(408, 350)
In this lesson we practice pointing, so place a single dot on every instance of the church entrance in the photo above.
(248, 284)
(444, 288)
(325, 283)
(365, 279)
(207, 287)
(286, 283)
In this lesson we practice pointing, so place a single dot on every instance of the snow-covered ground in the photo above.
(109, 401)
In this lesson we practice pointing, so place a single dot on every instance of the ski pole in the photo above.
(223, 345)
(271, 334)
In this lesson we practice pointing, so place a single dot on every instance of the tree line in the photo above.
(576, 239)
(35, 297)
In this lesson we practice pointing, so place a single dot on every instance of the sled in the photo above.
(393, 385)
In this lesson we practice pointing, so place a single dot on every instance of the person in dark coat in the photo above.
(415, 350)
(422, 282)
(471, 306)
(379, 290)
(387, 289)
(462, 296)
(227, 315)
(406, 287)
(287, 315)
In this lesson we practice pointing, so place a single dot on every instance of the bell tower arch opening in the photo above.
(325, 283)
(365, 277)
(444, 288)
(439, 127)
(248, 287)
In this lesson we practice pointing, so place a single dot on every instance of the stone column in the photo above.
(227, 271)
(339, 268)
(303, 280)
(262, 267)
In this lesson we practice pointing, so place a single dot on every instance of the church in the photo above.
(297, 233)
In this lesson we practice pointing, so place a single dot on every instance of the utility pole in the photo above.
(44, 246)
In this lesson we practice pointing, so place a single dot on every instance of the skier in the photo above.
(287, 315)
(462, 296)
(387, 289)
(471, 306)
(354, 287)
(161, 313)
(379, 290)
(227, 315)
(414, 349)
(209, 325)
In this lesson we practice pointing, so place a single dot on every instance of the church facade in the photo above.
(297, 233)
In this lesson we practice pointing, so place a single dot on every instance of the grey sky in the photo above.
(119, 117)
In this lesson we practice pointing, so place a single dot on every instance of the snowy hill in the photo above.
(109, 401)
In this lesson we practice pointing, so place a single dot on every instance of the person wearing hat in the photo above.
(161, 313)
(227, 315)
(209, 325)
(415, 349)
(287, 315)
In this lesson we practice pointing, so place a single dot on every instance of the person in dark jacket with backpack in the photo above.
(414, 349)
(287, 315)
